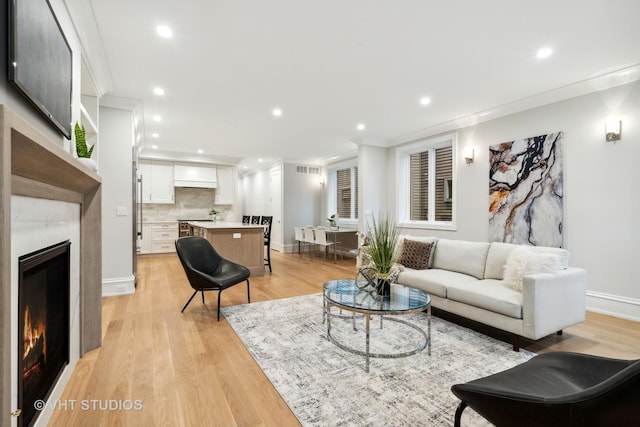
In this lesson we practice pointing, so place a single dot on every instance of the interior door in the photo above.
(275, 207)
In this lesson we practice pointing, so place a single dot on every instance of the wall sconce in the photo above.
(612, 129)
(468, 155)
(322, 182)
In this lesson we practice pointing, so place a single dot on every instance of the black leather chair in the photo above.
(246, 219)
(557, 389)
(267, 221)
(206, 270)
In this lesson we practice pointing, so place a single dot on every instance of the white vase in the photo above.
(89, 163)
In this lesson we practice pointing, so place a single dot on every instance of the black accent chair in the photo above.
(246, 219)
(255, 220)
(557, 389)
(206, 270)
(267, 221)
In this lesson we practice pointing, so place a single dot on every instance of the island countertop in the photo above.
(235, 241)
(221, 225)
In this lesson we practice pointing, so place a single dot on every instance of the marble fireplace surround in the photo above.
(33, 166)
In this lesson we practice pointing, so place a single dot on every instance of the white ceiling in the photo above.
(330, 65)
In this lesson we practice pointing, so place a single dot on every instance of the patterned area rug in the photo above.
(327, 386)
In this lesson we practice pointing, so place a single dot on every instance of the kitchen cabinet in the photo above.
(194, 175)
(226, 185)
(158, 237)
(157, 181)
(144, 241)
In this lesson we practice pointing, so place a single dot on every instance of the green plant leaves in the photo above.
(81, 142)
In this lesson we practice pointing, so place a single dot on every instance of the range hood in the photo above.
(194, 175)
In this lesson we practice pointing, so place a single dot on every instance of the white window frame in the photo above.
(332, 194)
(403, 154)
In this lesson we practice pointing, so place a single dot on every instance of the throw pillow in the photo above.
(415, 254)
(523, 261)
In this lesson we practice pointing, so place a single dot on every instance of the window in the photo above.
(343, 192)
(426, 183)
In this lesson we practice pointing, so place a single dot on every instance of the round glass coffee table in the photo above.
(354, 297)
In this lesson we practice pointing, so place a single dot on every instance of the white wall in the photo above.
(601, 195)
(116, 137)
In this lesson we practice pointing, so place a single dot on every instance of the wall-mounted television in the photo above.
(41, 61)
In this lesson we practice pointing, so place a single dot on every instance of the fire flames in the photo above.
(35, 344)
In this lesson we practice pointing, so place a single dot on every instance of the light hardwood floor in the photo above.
(187, 369)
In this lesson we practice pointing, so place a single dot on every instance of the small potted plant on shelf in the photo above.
(212, 214)
(84, 152)
(382, 253)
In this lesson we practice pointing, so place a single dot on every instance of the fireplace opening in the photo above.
(43, 325)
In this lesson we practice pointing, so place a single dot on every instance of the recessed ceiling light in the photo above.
(200, 151)
(164, 31)
(155, 135)
(544, 52)
(425, 101)
(361, 126)
(156, 118)
(260, 160)
(154, 147)
(158, 91)
(277, 112)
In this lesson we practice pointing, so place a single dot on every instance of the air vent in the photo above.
(314, 170)
(302, 169)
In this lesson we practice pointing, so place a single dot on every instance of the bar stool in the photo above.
(267, 221)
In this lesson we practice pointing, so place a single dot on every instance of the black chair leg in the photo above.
(219, 293)
(268, 258)
(185, 306)
(202, 296)
(248, 292)
(459, 410)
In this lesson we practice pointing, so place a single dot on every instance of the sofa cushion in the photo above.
(523, 261)
(488, 294)
(428, 239)
(499, 252)
(415, 254)
(433, 281)
(461, 256)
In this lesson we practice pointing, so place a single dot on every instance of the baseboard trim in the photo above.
(118, 286)
(614, 305)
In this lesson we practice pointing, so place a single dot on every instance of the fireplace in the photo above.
(43, 325)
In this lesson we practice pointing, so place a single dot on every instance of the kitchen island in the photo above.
(237, 242)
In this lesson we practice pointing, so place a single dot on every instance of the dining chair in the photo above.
(267, 221)
(309, 237)
(255, 220)
(299, 237)
(246, 219)
(321, 240)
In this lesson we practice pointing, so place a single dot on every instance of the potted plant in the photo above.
(383, 252)
(84, 152)
(332, 221)
(213, 213)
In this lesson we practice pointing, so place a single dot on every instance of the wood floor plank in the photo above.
(188, 369)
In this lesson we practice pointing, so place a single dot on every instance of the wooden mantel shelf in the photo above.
(31, 165)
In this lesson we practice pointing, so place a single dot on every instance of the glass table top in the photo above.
(347, 293)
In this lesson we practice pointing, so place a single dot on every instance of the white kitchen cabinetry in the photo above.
(157, 181)
(194, 175)
(163, 236)
(226, 187)
(144, 241)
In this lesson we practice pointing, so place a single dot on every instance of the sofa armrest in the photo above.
(553, 301)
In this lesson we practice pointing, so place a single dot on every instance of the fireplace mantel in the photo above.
(31, 165)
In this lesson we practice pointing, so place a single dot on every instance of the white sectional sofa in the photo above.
(468, 279)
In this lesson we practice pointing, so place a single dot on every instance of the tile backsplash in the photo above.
(190, 203)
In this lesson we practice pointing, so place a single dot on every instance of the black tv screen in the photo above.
(40, 60)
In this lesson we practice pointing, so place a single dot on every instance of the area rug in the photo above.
(327, 386)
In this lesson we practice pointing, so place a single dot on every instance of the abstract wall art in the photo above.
(525, 191)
